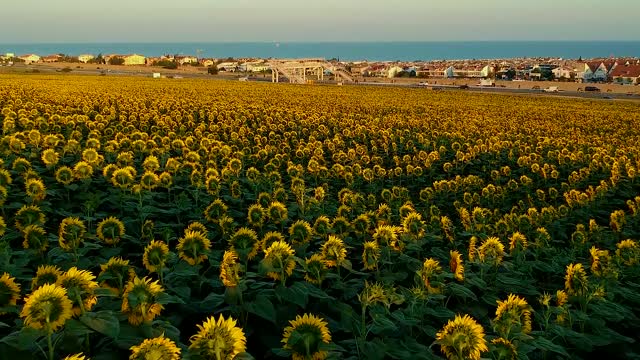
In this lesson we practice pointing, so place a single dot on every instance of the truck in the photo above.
(552, 89)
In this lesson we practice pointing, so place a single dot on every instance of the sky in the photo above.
(63, 21)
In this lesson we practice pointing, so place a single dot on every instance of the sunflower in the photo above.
(122, 178)
(78, 356)
(333, 251)
(221, 339)
(447, 227)
(166, 180)
(197, 227)
(628, 252)
(9, 291)
(230, 269)
(82, 170)
(21, 165)
(512, 316)
(307, 337)
(278, 260)
(110, 230)
(504, 349)
(50, 157)
(315, 269)
(491, 251)
(29, 215)
(115, 273)
(575, 281)
(413, 225)
(215, 210)
(71, 233)
(64, 175)
(277, 212)
(322, 225)
(4, 194)
(456, 265)
(602, 264)
(361, 224)
(429, 274)
(46, 274)
(80, 287)
(35, 238)
(341, 225)
(139, 300)
(5, 177)
(387, 235)
(151, 163)
(462, 338)
(160, 348)
(371, 255)
(300, 232)
(193, 247)
(90, 156)
(245, 243)
(155, 256)
(256, 215)
(212, 185)
(517, 242)
(47, 307)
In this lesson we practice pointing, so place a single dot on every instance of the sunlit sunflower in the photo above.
(78, 356)
(462, 338)
(221, 339)
(35, 238)
(256, 215)
(166, 180)
(155, 256)
(193, 247)
(517, 242)
(197, 227)
(576, 281)
(46, 274)
(429, 274)
(300, 232)
(159, 348)
(47, 307)
(315, 269)
(82, 170)
(387, 235)
(122, 178)
(80, 285)
(333, 251)
(115, 273)
(456, 265)
(64, 175)
(512, 316)
(151, 163)
(50, 157)
(278, 260)
(413, 225)
(149, 180)
(29, 215)
(71, 233)
(491, 251)
(230, 269)
(277, 212)
(245, 243)
(371, 255)
(140, 300)
(9, 291)
(110, 230)
(306, 337)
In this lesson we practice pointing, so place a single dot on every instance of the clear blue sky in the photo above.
(34, 21)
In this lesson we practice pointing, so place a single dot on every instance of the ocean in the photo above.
(349, 51)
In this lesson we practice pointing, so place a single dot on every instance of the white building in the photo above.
(85, 58)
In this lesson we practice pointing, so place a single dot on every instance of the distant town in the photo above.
(625, 71)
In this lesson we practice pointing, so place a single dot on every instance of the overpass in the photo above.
(296, 70)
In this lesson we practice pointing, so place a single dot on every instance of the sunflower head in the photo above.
(230, 269)
(628, 252)
(78, 356)
(114, 274)
(64, 175)
(151, 163)
(462, 338)
(602, 264)
(277, 212)
(315, 269)
(322, 225)
(155, 256)
(278, 261)
(430, 275)
(517, 242)
(371, 255)
(491, 251)
(413, 225)
(80, 285)
(110, 230)
(35, 238)
(334, 251)
(46, 274)
(48, 307)
(245, 243)
(504, 349)
(307, 337)
(29, 215)
(221, 339)
(256, 215)
(576, 281)
(386, 235)
(122, 178)
(139, 300)
(71, 233)
(193, 247)
(149, 180)
(456, 265)
(9, 291)
(82, 170)
(513, 316)
(300, 232)
(160, 348)
(215, 210)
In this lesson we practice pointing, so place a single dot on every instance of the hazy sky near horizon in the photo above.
(37, 21)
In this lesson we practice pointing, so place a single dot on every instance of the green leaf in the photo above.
(295, 294)
(546, 345)
(262, 307)
(460, 291)
(76, 328)
(25, 339)
(103, 322)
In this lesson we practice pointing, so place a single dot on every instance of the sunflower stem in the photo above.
(49, 343)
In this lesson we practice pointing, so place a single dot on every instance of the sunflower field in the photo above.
(199, 219)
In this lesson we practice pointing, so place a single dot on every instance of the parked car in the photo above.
(535, 87)
(552, 89)
(591, 88)
(464, 87)
(423, 83)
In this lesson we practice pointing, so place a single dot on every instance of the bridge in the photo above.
(296, 70)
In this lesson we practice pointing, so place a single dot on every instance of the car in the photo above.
(607, 97)
(552, 89)
(464, 87)
(591, 88)
(423, 83)
(535, 87)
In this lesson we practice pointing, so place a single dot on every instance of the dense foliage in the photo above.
(217, 220)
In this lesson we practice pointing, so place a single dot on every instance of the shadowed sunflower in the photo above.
(575, 281)
(3, 226)
(429, 274)
(110, 230)
(149, 180)
(462, 338)
(9, 291)
(64, 175)
(155, 256)
(256, 215)
(602, 264)
(456, 265)
(371, 255)
(47, 307)
(193, 247)
(82, 170)
(29, 215)
(306, 337)
(80, 287)
(245, 243)
(322, 225)
(71, 233)
(35, 238)
(334, 251)
(413, 225)
(46, 274)
(115, 273)
(35, 189)
(219, 340)
(300, 232)
(122, 178)
(199, 227)
(504, 349)
(512, 316)
(139, 300)
(315, 269)
(628, 252)
(269, 238)
(215, 210)
(387, 235)
(278, 261)
(230, 269)
(277, 212)
(491, 251)
(160, 348)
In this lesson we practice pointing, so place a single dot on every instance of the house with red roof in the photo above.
(627, 74)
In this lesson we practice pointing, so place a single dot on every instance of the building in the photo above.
(51, 58)
(228, 66)
(626, 74)
(256, 67)
(85, 58)
(30, 58)
(207, 62)
(134, 59)
(187, 59)
(595, 71)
